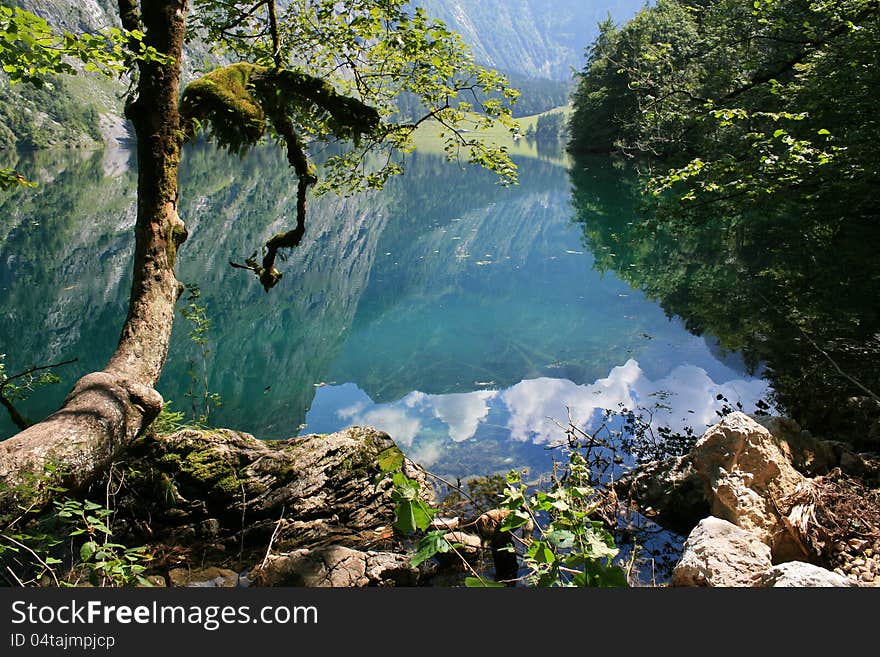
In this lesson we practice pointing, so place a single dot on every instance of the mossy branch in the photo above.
(129, 15)
(292, 90)
(239, 101)
(222, 101)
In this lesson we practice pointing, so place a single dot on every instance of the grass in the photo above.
(428, 139)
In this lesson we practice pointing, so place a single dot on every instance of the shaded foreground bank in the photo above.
(761, 506)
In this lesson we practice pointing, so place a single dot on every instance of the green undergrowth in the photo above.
(68, 544)
(552, 530)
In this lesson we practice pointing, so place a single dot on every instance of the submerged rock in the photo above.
(670, 492)
(204, 578)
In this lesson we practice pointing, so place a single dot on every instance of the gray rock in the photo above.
(800, 574)
(204, 578)
(334, 567)
(717, 553)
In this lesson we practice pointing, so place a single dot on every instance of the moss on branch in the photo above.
(236, 103)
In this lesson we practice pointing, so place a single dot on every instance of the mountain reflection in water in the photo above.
(455, 314)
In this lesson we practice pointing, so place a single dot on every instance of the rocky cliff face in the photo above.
(535, 38)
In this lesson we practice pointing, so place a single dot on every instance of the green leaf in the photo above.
(600, 574)
(405, 519)
(560, 505)
(561, 538)
(422, 514)
(540, 552)
(390, 459)
(431, 544)
(515, 520)
(595, 547)
(412, 515)
(87, 550)
(477, 583)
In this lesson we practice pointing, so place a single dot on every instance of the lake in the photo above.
(464, 318)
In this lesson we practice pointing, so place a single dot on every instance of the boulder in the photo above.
(745, 473)
(802, 575)
(807, 453)
(717, 553)
(335, 566)
(813, 456)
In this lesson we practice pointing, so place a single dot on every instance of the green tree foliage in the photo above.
(627, 71)
(30, 49)
(314, 72)
(746, 99)
(371, 51)
(798, 305)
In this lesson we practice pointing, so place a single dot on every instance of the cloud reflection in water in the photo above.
(424, 425)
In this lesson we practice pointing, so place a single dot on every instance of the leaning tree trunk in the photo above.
(107, 409)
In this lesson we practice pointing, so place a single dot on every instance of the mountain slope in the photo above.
(534, 38)
(537, 40)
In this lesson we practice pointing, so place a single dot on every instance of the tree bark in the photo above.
(143, 345)
(107, 410)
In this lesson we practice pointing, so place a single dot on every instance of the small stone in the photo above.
(468, 543)
(866, 577)
(211, 577)
(209, 527)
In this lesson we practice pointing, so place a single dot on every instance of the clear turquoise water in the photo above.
(463, 318)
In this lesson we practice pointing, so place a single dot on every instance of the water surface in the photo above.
(464, 318)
